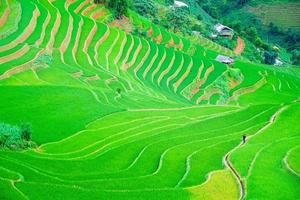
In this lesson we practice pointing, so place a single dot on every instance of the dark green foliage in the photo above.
(242, 2)
(169, 2)
(252, 35)
(26, 132)
(296, 57)
(118, 90)
(15, 137)
(198, 27)
(292, 39)
(225, 42)
(178, 20)
(270, 57)
(119, 7)
(273, 29)
(145, 7)
(99, 1)
(199, 17)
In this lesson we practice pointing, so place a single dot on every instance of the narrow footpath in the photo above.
(230, 166)
(239, 49)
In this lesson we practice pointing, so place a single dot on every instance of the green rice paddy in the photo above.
(119, 116)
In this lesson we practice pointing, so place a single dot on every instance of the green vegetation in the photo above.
(145, 112)
(15, 137)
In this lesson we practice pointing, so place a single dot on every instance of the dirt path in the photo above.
(235, 172)
(239, 49)
(229, 165)
(4, 17)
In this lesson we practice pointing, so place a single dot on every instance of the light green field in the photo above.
(172, 132)
(284, 15)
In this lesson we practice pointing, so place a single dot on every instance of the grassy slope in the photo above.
(149, 141)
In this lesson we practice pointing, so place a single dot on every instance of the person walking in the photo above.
(244, 139)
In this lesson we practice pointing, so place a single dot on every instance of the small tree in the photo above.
(99, 1)
(169, 2)
(118, 90)
(145, 7)
(270, 57)
(15, 137)
(119, 7)
(295, 57)
(179, 20)
(241, 3)
(26, 132)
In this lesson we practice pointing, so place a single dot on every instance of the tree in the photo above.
(295, 57)
(145, 7)
(273, 29)
(119, 7)
(169, 2)
(292, 39)
(15, 137)
(178, 20)
(26, 132)
(99, 1)
(241, 3)
(270, 57)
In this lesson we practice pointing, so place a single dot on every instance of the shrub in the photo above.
(145, 7)
(43, 59)
(178, 19)
(169, 2)
(119, 8)
(15, 137)
(270, 57)
(26, 132)
(295, 57)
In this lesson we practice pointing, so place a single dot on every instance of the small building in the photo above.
(278, 62)
(179, 4)
(224, 31)
(224, 59)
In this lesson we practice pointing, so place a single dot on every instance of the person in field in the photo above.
(244, 139)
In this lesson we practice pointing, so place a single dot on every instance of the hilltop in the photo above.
(122, 107)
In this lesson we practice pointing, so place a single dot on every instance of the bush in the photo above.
(26, 132)
(270, 57)
(15, 137)
(295, 57)
(169, 2)
(43, 59)
(178, 19)
(118, 7)
(145, 7)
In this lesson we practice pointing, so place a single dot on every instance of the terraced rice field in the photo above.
(117, 116)
(285, 15)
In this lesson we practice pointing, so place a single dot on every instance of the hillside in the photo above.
(268, 27)
(144, 114)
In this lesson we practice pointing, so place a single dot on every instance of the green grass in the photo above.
(108, 133)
